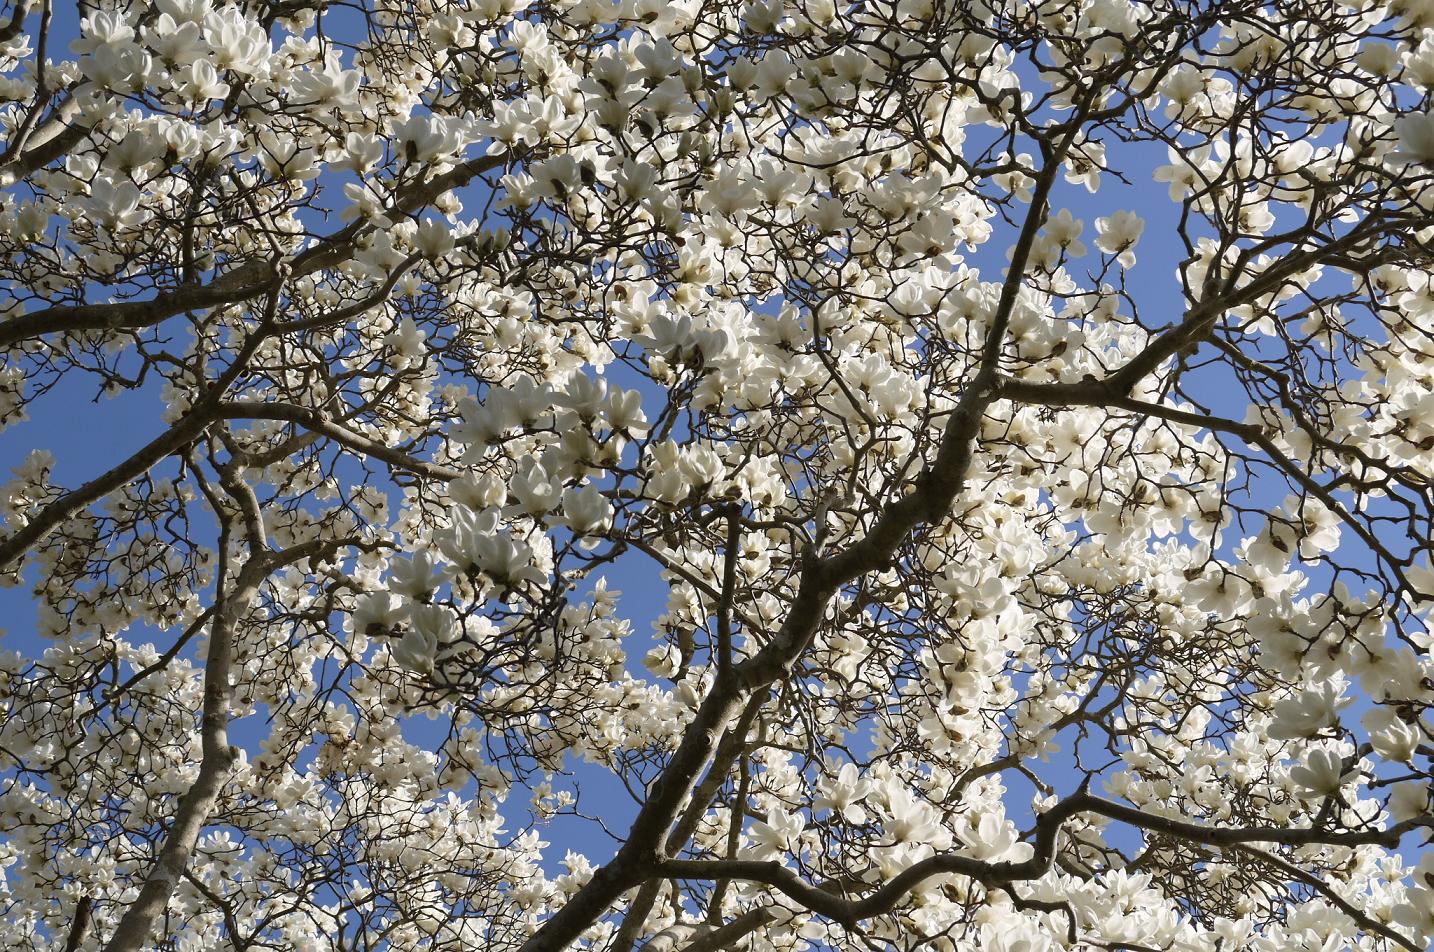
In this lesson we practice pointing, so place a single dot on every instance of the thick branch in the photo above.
(727, 936)
(41, 523)
(59, 143)
(80, 927)
(218, 758)
(11, 29)
(245, 281)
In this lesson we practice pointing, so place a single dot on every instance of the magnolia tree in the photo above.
(1017, 595)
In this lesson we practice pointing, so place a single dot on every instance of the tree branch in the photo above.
(181, 434)
(322, 424)
(243, 282)
(827, 899)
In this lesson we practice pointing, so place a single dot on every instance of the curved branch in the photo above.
(1365, 922)
(1106, 393)
(826, 899)
(15, 545)
(242, 283)
(936, 487)
(215, 764)
(726, 937)
(322, 424)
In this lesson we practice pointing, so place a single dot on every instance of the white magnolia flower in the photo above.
(362, 151)
(678, 340)
(520, 404)
(1390, 735)
(460, 541)
(584, 394)
(624, 412)
(103, 28)
(1308, 713)
(536, 491)
(586, 511)
(1321, 775)
(478, 493)
(1381, 59)
(406, 340)
(238, 43)
(121, 67)
(843, 794)
(286, 157)
(1409, 799)
(200, 83)
(1416, 913)
(663, 661)
(1421, 583)
(433, 239)
(184, 11)
(993, 838)
(779, 834)
(135, 151)
(174, 42)
(329, 86)
(911, 820)
(1064, 230)
(505, 560)
(415, 650)
(378, 610)
(416, 576)
(1416, 140)
(932, 576)
(1117, 235)
(436, 623)
(423, 138)
(115, 205)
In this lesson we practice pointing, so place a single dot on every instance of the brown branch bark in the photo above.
(727, 936)
(80, 928)
(11, 29)
(828, 900)
(51, 515)
(934, 489)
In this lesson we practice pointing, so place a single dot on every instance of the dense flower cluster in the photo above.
(1045, 567)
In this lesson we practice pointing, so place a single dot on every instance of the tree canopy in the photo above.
(1041, 558)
